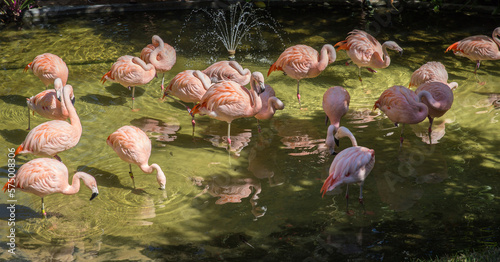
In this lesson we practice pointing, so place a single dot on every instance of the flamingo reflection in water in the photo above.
(162, 130)
(231, 190)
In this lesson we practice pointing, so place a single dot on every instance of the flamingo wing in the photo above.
(131, 144)
(42, 176)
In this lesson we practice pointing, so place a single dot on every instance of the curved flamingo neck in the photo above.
(239, 68)
(326, 57)
(75, 184)
(152, 58)
(385, 59)
(429, 98)
(255, 100)
(206, 84)
(160, 176)
(66, 102)
(495, 35)
(344, 132)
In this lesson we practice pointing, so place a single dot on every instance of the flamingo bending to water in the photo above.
(130, 72)
(188, 86)
(48, 67)
(163, 61)
(228, 70)
(365, 51)
(478, 48)
(53, 137)
(228, 100)
(335, 104)
(45, 176)
(402, 105)
(47, 105)
(134, 147)
(431, 72)
(438, 97)
(302, 61)
(351, 165)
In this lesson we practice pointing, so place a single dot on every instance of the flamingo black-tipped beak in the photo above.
(73, 100)
(93, 195)
(337, 142)
(401, 52)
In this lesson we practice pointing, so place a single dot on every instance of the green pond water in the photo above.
(421, 200)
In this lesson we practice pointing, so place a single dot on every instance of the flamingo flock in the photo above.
(219, 92)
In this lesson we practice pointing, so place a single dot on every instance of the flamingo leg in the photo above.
(229, 134)
(478, 63)
(162, 83)
(29, 119)
(258, 126)
(298, 94)
(43, 210)
(361, 197)
(401, 137)
(133, 97)
(131, 174)
(58, 158)
(430, 129)
(359, 74)
(371, 70)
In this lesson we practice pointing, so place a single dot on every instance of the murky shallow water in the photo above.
(422, 201)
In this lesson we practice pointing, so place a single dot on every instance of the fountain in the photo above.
(241, 21)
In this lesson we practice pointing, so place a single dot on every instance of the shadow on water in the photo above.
(104, 100)
(106, 178)
(119, 90)
(15, 136)
(14, 100)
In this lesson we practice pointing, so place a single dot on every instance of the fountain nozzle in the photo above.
(231, 54)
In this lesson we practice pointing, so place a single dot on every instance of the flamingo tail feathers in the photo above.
(453, 47)
(330, 180)
(273, 68)
(342, 45)
(195, 109)
(19, 149)
(27, 67)
(105, 77)
(10, 184)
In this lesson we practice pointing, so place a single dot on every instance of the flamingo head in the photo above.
(394, 46)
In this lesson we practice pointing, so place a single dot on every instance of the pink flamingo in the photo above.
(188, 86)
(134, 147)
(401, 105)
(45, 176)
(431, 72)
(53, 137)
(478, 48)
(130, 72)
(365, 51)
(438, 97)
(47, 105)
(335, 104)
(228, 100)
(351, 165)
(302, 61)
(48, 67)
(164, 60)
(228, 70)
(270, 103)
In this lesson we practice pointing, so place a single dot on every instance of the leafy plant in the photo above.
(12, 10)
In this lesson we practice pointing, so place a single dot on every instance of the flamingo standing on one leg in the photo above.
(47, 105)
(163, 61)
(401, 105)
(431, 72)
(130, 72)
(45, 176)
(188, 86)
(228, 100)
(351, 165)
(478, 48)
(302, 61)
(335, 104)
(52, 137)
(438, 97)
(48, 67)
(134, 147)
(228, 70)
(365, 51)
